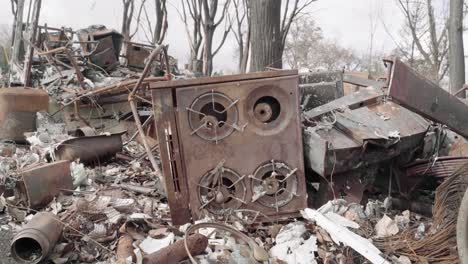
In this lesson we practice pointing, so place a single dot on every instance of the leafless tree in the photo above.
(204, 16)
(427, 46)
(191, 16)
(127, 18)
(270, 24)
(155, 34)
(209, 25)
(456, 54)
(5, 43)
(242, 32)
(307, 49)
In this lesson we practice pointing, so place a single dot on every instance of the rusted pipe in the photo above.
(36, 239)
(85, 131)
(90, 149)
(176, 252)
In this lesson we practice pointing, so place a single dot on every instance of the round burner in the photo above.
(221, 190)
(213, 116)
(267, 109)
(274, 184)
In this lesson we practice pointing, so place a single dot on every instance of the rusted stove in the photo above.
(231, 144)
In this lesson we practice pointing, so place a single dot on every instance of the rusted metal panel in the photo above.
(18, 107)
(319, 88)
(241, 143)
(171, 156)
(40, 185)
(93, 149)
(362, 82)
(426, 98)
(221, 79)
(36, 240)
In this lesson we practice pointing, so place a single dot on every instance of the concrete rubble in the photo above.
(88, 163)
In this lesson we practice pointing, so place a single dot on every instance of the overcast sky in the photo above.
(346, 21)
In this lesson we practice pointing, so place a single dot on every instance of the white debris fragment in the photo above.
(420, 231)
(139, 216)
(386, 227)
(291, 246)
(341, 234)
(78, 173)
(150, 245)
(403, 220)
(403, 260)
(342, 221)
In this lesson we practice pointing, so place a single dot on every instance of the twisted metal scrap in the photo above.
(440, 243)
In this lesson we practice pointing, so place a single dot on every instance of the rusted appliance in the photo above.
(136, 54)
(102, 44)
(18, 108)
(36, 239)
(229, 143)
(346, 140)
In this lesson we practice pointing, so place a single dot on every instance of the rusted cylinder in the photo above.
(18, 107)
(37, 239)
(85, 131)
(175, 253)
(89, 150)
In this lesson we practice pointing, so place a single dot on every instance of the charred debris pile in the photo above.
(107, 158)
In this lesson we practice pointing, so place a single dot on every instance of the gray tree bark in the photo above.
(209, 26)
(161, 26)
(456, 52)
(18, 34)
(266, 37)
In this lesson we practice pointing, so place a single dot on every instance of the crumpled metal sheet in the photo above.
(358, 131)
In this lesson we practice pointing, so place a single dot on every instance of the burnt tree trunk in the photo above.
(266, 37)
(160, 28)
(456, 52)
(208, 51)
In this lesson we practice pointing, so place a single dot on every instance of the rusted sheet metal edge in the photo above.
(223, 79)
(177, 193)
(422, 96)
(348, 78)
(359, 99)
